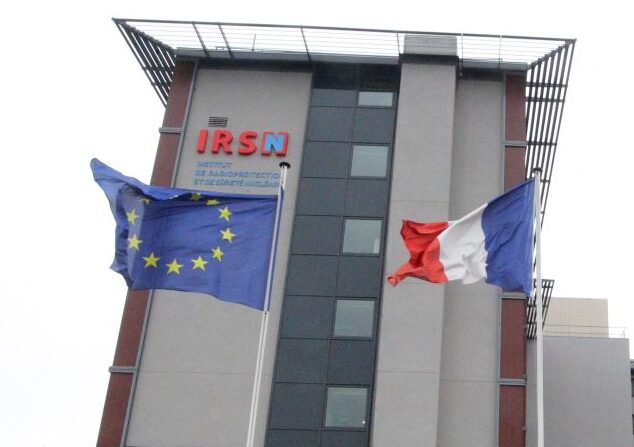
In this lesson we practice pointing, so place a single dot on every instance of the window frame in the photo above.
(372, 335)
(368, 393)
(343, 236)
(372, 177)
(377, 106)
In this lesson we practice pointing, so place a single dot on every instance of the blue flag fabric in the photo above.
(178, 239)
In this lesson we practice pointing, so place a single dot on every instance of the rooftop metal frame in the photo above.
(531, 310)
(546, 62)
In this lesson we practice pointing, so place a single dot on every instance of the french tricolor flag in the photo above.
(493, 242)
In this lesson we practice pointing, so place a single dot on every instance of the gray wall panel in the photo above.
(470, 423)
(586, 392)
(410, 344)
(199, 354)
(470, 352)
(409, 402)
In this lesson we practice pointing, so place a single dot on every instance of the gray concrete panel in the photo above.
(586, 392)
(170, 407)
(409, 402)
(478, 146)
(198, 363)
(414, 338)
(471, 328)
(475, 416)
(410, 343)
(471, 337)
(179, 337)
(421, 168)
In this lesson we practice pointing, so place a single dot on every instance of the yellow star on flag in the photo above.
(196, 196)
(132, 216)
(151, 261)
(174, 267)
(199, 263)
(134, 242)
(218, 254)
(227, 235)
(213, 202)
(224, 213)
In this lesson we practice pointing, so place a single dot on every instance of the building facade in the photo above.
(586, 375)
(378, 126)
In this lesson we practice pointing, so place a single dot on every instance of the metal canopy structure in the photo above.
(531, 311)
(546, 62)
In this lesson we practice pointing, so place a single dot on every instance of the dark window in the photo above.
(362, 236)
(359, 276)
(354, 318)
(346, 407)
(350, 362)
(317, 235)
(297, 406)
(366, 198)
(286, 438)
(373, 125)
(301, 360)
(326, 159)
(307, 317)
(333, 97)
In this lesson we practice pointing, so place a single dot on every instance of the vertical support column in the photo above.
(125, 364)
(512, 425)
(407, 380)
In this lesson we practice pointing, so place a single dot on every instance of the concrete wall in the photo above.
(437, 373)
(410, 344)
(577, 317)
(586, 393)
(197, 368)
(470, 347)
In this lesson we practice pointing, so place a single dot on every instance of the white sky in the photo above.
(72, 90)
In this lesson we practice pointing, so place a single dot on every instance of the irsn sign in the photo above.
(222, 140)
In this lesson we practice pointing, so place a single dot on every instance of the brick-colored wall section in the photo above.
(512, 416)
(120, 385)
(513, 343)
(164, 163)
(515, 125)
(512, 432)
(114, 410)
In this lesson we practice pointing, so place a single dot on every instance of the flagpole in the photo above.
(264, 323)
(539, 336)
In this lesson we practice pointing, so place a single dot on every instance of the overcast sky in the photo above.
(72, 90)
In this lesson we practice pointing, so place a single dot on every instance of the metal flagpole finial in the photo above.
(285, 164)
(536, 170)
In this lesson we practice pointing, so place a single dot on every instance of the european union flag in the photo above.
(177, 239)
